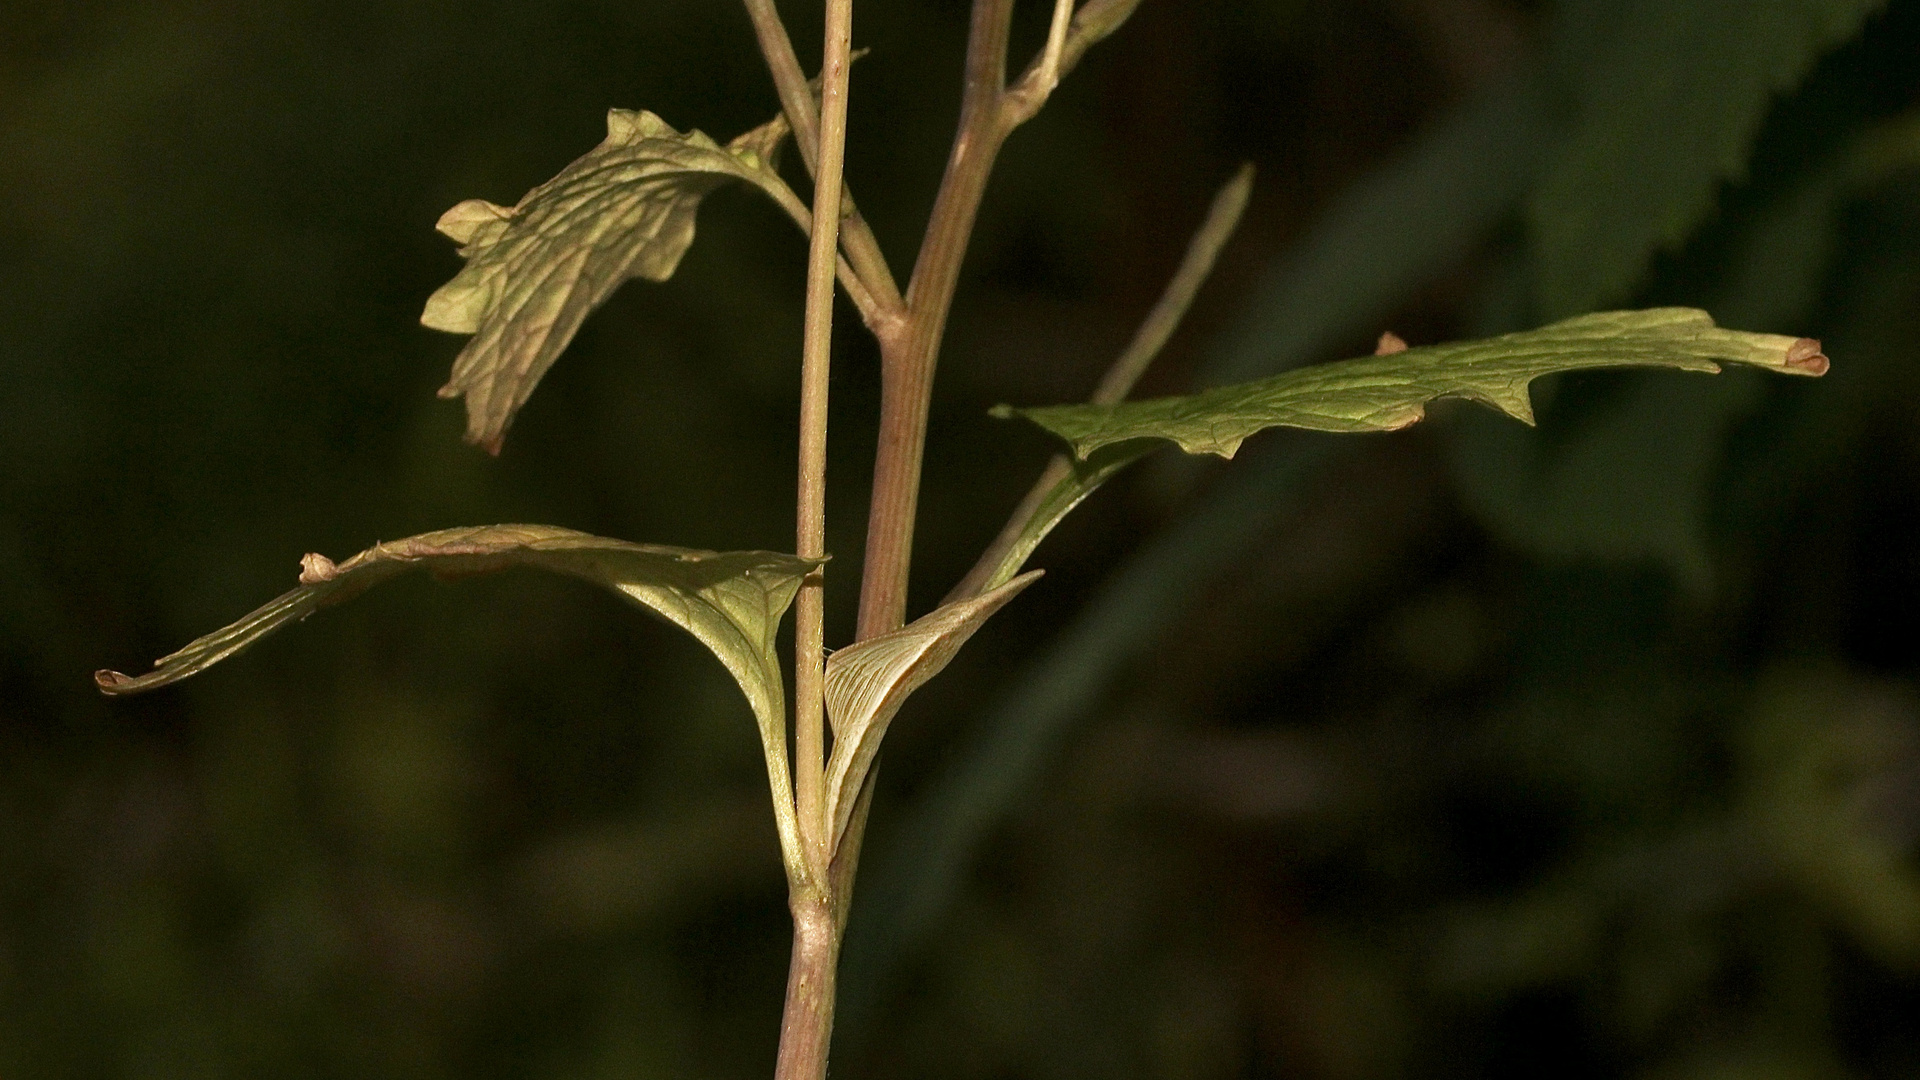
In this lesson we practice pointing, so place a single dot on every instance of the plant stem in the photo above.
(808, 1022)
(908, 361)
(809, 642)
(806, 1027)
(909, 330)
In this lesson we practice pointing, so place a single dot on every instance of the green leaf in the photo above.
(536, 270)
(731, 601)
(1384, 393)
(868, 682)
(1668, 98)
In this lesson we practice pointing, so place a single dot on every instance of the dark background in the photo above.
(1466, 751)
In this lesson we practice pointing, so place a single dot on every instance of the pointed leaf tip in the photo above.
(466, 219)
(1390, 390)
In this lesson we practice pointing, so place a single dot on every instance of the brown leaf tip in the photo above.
(1804, 355)
(316, 568)
(110, 681)
(1389, 344)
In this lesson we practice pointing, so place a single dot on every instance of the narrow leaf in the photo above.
(1384, 393)
(534, 271)
(867, 683)
(731, 601)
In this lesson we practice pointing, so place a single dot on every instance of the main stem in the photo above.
(910, 346)
(807, 1026)
(808, 1022)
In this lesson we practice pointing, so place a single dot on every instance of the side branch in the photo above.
(1019, 104)
(989, 111)
(862, 249)
(1066, 44)
(879, 319)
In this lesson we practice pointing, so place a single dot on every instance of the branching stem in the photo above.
(877, 317)
(909, 329)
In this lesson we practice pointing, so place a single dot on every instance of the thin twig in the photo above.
(1223, 216)
(1202, 251)
(1056, 42)
(862, 249)
(1020, 103)
(872, 313)
(1091, 24)
(788, 79)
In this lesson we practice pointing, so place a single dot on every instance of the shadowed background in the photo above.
(1466, 751)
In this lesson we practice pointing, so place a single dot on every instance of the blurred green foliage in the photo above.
(1586, 750)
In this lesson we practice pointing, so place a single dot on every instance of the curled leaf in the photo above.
(535, 270)
(1391, 391)
(731, 601)
(868, 682)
